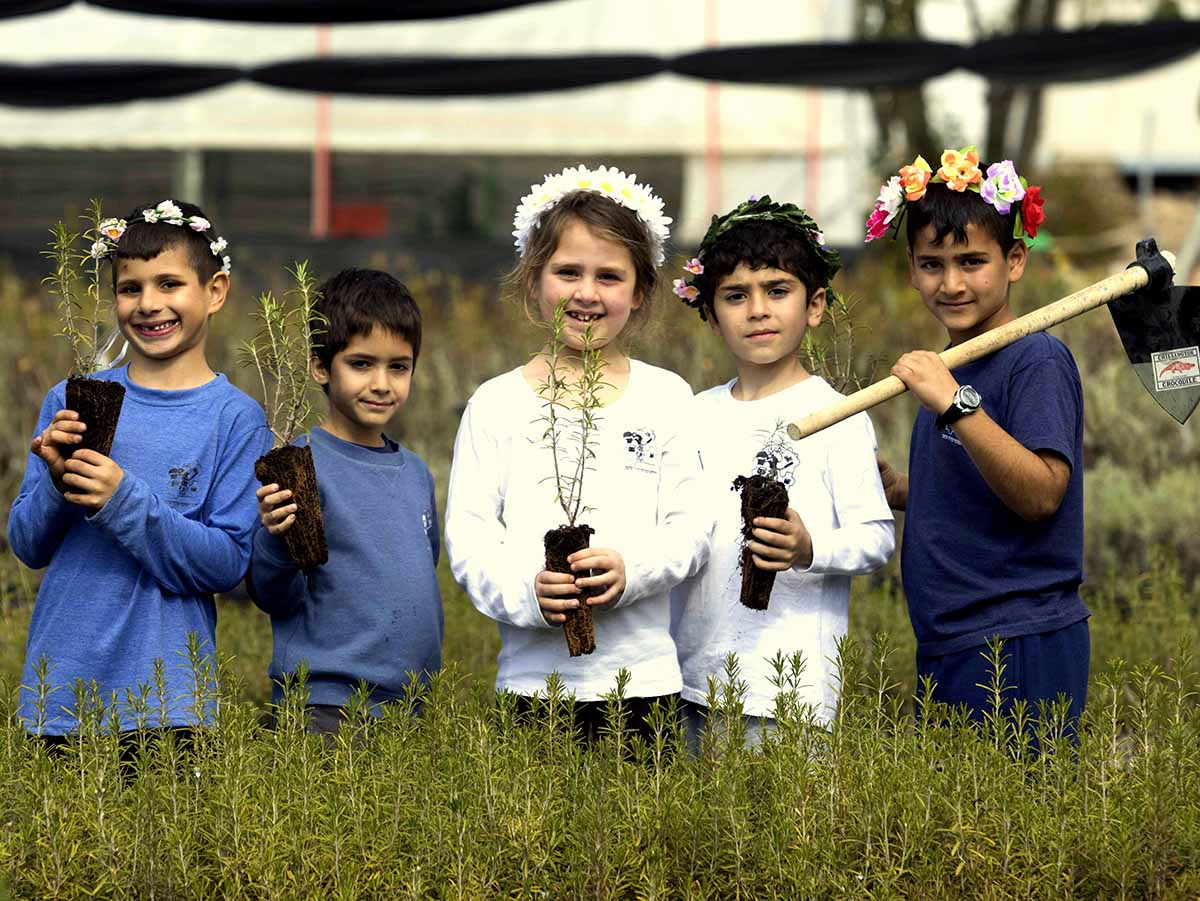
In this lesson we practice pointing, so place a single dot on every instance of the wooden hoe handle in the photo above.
(980, 346)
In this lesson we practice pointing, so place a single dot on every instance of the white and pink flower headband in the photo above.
(167, 212)
(1002, 188)
(611, 183)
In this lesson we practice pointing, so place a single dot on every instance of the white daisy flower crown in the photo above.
(168, 212)
(607, 181)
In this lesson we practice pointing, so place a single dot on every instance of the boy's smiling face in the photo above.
(368, 382)
(763, 314)
(163, 310)
(965, 285)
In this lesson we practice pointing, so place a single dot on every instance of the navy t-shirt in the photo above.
(972, 568)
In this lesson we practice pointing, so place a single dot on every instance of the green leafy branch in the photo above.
(829, 352)
(84, 309)
(571, 404)
(280, 352)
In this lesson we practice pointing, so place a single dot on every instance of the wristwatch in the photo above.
(966, 400)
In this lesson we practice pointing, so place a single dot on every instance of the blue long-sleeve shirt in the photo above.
(125, 585)
(374, 611)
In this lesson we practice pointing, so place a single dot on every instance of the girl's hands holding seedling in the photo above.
(559, 592)
(90, 478)
(275, 514)
(56, 441)
(607, 572)
(780, 544)
(556, 594)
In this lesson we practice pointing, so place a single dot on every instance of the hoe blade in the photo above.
(1161, 333)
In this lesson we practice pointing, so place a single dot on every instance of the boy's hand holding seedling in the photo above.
(90, 479)
(64, 431)
(780, 544)
(559, 592)
(276, 515)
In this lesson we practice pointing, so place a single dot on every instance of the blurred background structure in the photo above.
(338, 175)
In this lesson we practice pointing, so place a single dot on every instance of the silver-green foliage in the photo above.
(85, 311)
(471, 799)
(571, 397)
(280, 350)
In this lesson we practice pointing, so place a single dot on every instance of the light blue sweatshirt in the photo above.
(125, 585)
(374, 611)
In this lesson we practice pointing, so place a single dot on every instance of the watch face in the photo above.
(968, 396)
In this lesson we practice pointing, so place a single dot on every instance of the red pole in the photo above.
(322, 187)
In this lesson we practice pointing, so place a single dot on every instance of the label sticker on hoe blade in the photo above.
(1174, 369)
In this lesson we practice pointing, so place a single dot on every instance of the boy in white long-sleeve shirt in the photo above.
(760, 281)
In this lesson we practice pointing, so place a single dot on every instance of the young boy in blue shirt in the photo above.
(373, 612)
(993, 536)
(137, 542)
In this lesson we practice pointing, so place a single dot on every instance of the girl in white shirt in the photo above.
(592, 240)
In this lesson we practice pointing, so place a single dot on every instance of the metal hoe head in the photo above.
(1160, 328)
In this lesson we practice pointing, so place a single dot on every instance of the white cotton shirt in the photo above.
(833, 484)
(642, 491)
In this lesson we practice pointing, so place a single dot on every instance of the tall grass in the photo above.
(469, 801)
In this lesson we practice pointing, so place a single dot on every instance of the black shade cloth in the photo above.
(1031, 59)
(310, 12)
(77, 84)
(863, 64)
(10, 9)
(1108, 51)
(451, 76)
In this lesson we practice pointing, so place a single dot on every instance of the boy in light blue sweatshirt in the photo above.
(373, 612)
(136, 542)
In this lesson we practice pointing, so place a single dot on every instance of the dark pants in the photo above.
(590, 717)
(128, 745)
(1037, 668)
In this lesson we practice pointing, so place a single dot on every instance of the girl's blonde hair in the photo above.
(607, 220)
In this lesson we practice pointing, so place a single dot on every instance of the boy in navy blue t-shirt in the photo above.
(137, 542)
(993, 536)
(373, 612)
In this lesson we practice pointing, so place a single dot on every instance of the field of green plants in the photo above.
(466, 801)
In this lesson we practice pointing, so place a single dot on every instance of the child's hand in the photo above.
(924, 373)
(62, 434)
(895, 484)
(90, 478)
(780, 544)
(608, 572)
(276, 516)
(556, 594)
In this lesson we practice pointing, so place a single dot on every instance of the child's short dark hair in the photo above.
(950, 212)
(144, 240)
(356, 301)
(759, 245)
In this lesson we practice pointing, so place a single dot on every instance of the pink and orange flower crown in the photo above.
(1001, 187)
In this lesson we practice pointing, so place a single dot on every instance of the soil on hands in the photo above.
(761, 496)
(291, 467)
(579, 629)
(98, 403)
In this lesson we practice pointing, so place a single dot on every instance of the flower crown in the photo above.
(1001, 187)
(168, 212)
(611, 183)
(757, 209)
